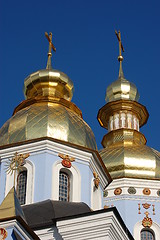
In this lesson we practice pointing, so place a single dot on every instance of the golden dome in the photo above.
(136, 161)
(121, 88)
(47, 119)
(48, 82)
(125, 153)
(47, 110)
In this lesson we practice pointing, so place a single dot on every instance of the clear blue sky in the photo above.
(87, 50)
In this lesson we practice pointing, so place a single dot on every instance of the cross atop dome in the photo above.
(51, 46)
(121, 49)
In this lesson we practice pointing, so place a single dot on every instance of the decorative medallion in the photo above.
(131, 190)
(158, 192)
(3, 233)
(146, 191)
(96, 180)
(16, 163)
(66, 160)
(117, 191)
(146, 205)
(147, 222)
(105, 193)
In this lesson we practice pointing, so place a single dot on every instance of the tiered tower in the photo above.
(133, 166)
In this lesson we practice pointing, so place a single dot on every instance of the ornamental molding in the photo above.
(128, 198)
(137, 183)
(92, 226)
(83, 157)
(46, 145)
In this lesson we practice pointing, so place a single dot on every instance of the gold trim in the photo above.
(60, 101)
(123, 136)
(122, 105)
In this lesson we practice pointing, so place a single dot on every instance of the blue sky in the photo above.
(87, 50)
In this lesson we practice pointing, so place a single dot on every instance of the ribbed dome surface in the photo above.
(122, 89)
(47, 119)
(132, 161)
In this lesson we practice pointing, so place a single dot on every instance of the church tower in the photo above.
(133, 166)
(54, 147)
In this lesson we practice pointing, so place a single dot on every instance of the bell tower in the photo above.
(133, 166)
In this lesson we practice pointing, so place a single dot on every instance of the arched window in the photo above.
(21, 186)
(147, 234)
(64, 186)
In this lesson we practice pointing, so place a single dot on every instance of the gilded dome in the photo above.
(125, 153)
(48, 82)
(138, 161)
(47, 110)
(121, 89)
(47, 119)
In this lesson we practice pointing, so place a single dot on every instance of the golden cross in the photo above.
(51, 46)
(120, 58)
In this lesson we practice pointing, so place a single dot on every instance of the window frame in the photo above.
(68, 185)
(148, 230)
(18, 190)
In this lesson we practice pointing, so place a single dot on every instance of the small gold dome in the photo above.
(138, 161)
(47, 119)
(122, 89)
(125, 153)
(48, 82)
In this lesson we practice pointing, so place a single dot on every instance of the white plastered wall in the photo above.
(96, 198)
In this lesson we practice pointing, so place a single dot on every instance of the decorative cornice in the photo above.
(90, 156)
(122, 105)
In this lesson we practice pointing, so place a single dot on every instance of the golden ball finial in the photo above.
(120, 58)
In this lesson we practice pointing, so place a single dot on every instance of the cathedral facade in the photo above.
(56, 184)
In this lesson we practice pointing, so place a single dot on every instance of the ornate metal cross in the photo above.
(118, 34)
(51, 46)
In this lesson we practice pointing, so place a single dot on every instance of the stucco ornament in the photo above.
(3, 233)
(66, 160)
(147, 222)
(15, 164)
(96, 180)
